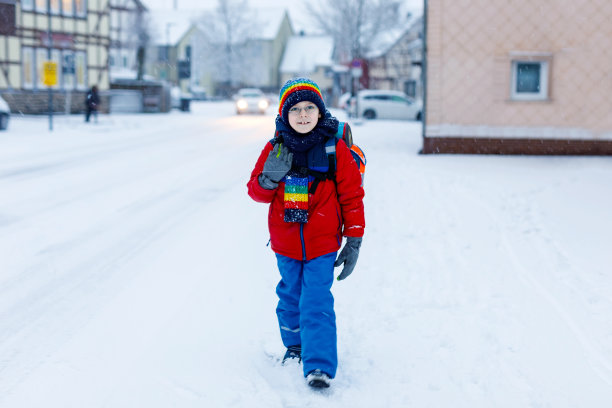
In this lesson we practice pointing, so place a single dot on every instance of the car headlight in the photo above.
(263, 104)
(242, 104)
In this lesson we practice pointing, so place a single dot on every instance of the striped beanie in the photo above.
(297, 90)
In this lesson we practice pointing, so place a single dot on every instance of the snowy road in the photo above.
(134, 272)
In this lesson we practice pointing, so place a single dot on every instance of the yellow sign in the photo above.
(50, 73)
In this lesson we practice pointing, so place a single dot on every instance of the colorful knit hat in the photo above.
(297, 90)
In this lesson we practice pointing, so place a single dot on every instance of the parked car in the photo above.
(384, 104)
(343, 100)
(251, 100)
(198, 93)
(5, 114)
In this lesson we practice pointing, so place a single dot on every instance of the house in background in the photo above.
(395, 62)
(312, 57)
(79, 44)
(257, 59)
(518, 77)
(171, 33)
(267, 50)
(181, 53)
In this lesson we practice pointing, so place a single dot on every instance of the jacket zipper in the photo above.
(303, 244)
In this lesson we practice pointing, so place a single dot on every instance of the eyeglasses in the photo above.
(309, 110)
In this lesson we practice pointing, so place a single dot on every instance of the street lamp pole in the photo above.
(49, 45)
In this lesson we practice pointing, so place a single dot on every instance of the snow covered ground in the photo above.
(134, 272)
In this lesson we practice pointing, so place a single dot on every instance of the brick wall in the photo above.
(480, 145)
(37, 102)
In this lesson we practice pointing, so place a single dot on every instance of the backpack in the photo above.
(344, 133)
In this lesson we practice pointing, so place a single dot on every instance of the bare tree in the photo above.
(227, 29)
(354, 24)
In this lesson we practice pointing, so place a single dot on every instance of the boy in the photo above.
(308, 216)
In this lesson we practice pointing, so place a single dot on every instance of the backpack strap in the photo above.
(330, 174)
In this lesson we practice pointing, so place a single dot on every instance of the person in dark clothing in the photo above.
(91, 103)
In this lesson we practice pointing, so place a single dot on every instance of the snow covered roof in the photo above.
(385, 40)
(169, 26)
(304, 53)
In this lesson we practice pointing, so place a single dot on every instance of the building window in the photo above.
(27, 66)
(56, 56)
(410, 88)
(67, 7)
(41, 57)
(55, 6)
(68, 70)
(41, 6)
(529, 80)
(80, 70)
(27, 4)
(162, 53)
(80, 7)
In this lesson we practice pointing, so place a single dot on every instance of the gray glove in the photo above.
(276, 166)
(348, 256)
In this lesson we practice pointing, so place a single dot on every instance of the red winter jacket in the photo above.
(332, 207)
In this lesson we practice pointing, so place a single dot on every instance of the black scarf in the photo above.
(301, 143)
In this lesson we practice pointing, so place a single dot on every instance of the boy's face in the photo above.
(303, 116)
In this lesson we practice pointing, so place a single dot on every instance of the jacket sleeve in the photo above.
(256, 191)
(350, 192)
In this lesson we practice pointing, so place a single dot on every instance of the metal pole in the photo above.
(49, 45)
(424, 71)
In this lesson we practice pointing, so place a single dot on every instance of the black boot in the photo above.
(318, 379)
(293, 352)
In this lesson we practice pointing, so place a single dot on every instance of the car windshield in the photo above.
(251, 94)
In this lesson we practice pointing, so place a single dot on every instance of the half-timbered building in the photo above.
(73, 34)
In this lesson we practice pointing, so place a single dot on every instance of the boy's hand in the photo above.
(278, 163)
(348, 256)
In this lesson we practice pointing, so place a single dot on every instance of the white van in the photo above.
(383, 104)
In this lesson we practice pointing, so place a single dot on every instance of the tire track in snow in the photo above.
(598, 362)
(58, 305)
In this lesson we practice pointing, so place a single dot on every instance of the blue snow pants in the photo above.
(305, 310)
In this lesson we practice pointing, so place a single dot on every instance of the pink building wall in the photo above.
(471, 45)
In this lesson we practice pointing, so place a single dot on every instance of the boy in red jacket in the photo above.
(309, 214)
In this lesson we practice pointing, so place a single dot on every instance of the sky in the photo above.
(135, 272)
(298, 10)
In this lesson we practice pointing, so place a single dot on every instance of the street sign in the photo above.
(49, 73)
(184, 69)
(356, 68)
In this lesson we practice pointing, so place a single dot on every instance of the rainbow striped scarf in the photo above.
(296, 198)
